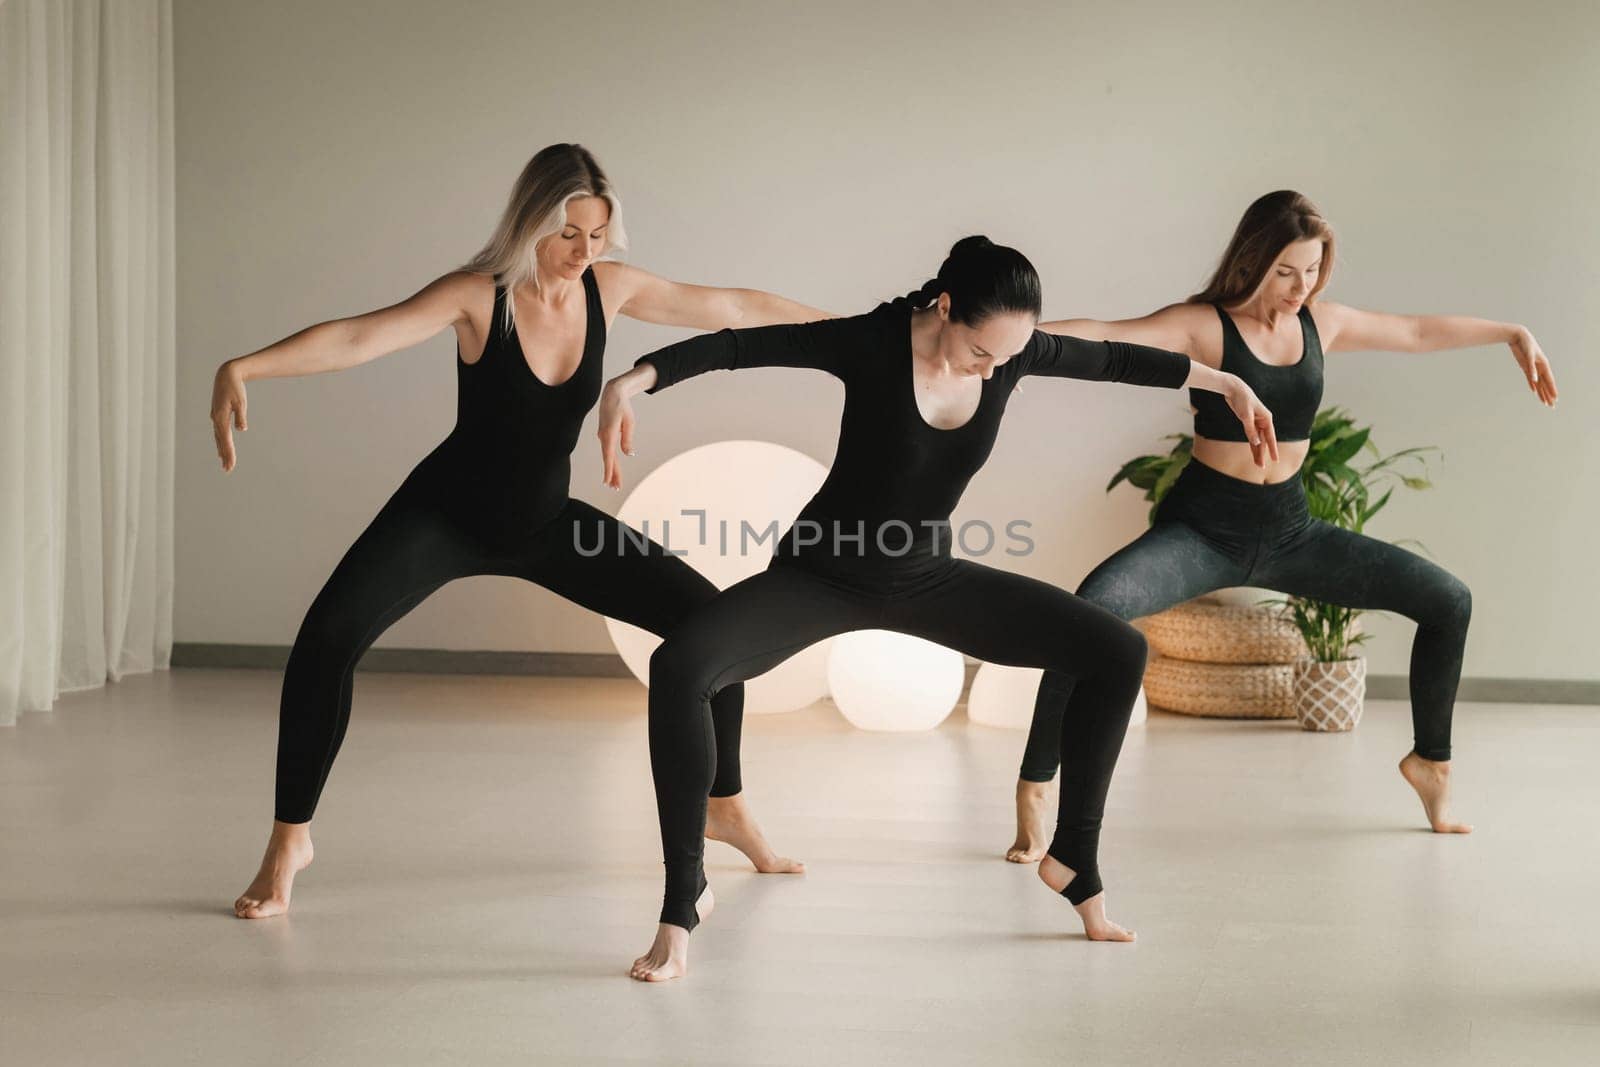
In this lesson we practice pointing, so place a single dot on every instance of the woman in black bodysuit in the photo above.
(530, 313)
(926, 382)
(1228, 522)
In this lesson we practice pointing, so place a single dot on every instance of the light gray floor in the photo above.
(487, 867)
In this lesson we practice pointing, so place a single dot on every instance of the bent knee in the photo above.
(1125, 651)
(676, 665)
(1445, 604)
(1456, 604)
(667, 660)
(326, 639)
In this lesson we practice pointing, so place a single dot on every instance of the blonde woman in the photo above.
(530, 313)
(1230, 521)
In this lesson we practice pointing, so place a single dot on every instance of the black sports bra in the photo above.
(1292, 392)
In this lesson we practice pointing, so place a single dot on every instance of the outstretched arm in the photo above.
(830, 345)
(1174, 328)
(1347, 329)
(1137, 364)
(1177, 328)
(652, 298)
(336, 345)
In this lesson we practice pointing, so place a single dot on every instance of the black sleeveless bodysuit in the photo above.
(507, 463)
(490, 499)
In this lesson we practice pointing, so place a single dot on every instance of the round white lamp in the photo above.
(887, 681)
(744, 488)
(1003, 696)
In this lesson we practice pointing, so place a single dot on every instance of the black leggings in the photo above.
(990, 614)
(1213, 531)
(417, 543)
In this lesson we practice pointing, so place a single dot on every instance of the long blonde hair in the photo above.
(1269, 225)
(538, 209)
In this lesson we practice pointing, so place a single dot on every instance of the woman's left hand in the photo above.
(1255, 417)
(615, 432)
(1535, 367)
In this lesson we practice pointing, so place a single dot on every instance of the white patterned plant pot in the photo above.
(1328, 696)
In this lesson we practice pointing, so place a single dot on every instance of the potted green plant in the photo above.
(1330, 683)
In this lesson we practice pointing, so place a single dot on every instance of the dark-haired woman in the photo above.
(926, 382)
(530, 313)
(1228, 521)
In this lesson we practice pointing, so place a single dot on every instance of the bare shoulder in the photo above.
(473, 294)
(459, 292)
(1327, 308)
(618, 283)
(618, 280)
(448, 299)
(1189, 316)
(1328, 317)
(466, 285)
(612, 269)
(470, 291)
(1200, 324)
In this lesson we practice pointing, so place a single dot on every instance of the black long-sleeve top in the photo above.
(894, 477)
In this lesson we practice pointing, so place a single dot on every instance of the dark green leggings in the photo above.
(1213, 531)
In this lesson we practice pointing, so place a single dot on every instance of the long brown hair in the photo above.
(538, 208)
(1269, 225)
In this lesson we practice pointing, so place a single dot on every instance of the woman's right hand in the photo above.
(227, 410)
(616, 431)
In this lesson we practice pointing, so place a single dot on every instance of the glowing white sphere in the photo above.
(1003, 696)
(734, 482)
(887, 681)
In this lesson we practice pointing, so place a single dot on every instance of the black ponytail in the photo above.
(982, 279)
(921, 298)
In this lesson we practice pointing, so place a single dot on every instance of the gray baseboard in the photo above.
(610, 665)
(415, 660)
(1496, 690)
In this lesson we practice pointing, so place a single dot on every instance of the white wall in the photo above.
(333, 157)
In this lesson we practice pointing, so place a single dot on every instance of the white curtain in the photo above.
(86, 345)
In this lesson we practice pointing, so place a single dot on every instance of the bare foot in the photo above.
(1431, 780)
(1033, 806)
(288, 853)
(729, 820)
(1057, 875)
(668, 957)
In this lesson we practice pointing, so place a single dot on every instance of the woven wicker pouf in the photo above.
(1221, 661)
(1203, 631)
(1220, 690)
